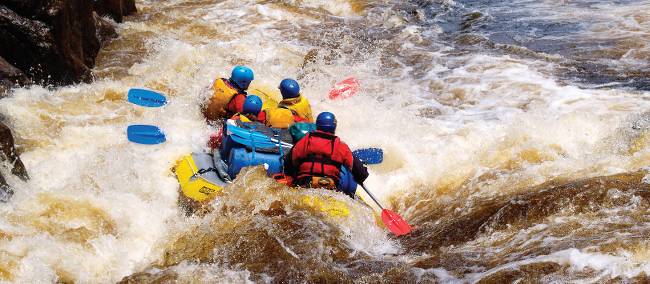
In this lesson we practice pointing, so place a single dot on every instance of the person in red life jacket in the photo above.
(250, 112)
(229, 95)
(315, 160)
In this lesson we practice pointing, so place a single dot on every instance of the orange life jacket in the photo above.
(223, 93)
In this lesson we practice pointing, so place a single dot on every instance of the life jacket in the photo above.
(242, 117)
(223, 93)
(318, 155)
(279, 117)
(299, 107)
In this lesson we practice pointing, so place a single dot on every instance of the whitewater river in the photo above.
(516, 133)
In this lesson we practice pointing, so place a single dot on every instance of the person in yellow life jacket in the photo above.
(251, 110)
(278, 117)
(229, 94)
(294, 101)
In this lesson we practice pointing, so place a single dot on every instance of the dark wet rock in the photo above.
(27, 42)
(8, 154)
(57, 45)
(10, 76)
(56, 42)
(116, 9)
(25, 8)
(105, 29)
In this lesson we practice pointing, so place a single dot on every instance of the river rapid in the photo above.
(516, 136)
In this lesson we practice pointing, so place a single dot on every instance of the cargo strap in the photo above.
(202, 171)
(276, 134)
(253, 160)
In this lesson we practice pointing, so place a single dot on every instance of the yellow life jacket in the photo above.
(298, 106)
(279, 117)
(223, 92)
(242, 117)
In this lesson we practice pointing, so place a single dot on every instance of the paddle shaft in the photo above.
(372, 196)
(392, 220)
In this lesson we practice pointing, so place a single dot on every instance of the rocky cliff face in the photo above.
(55, 41)
(10, 75)
(115, 9)
(50, 42)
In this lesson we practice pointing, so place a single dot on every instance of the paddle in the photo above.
(251, 134)
(145, 134)
(344, 89)
(146, 98)
(392, 220)
(369, 156)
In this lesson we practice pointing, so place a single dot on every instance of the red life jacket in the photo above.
(320, 154)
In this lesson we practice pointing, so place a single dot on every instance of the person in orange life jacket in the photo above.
(315, 160)
(292, 100)
(229, 94)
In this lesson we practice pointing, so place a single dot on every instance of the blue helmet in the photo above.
(289, 89)
(242, 76)
(252, 105)
(326, 121)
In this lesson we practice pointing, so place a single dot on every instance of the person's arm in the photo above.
(289, 168)
(292, 159)
(261, 117)
(236, 104)
(358, 170)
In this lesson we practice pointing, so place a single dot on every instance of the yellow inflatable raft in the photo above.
(200, 183)
(197, 181)
(269, 98)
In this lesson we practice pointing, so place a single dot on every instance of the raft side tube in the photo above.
(197, 178)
